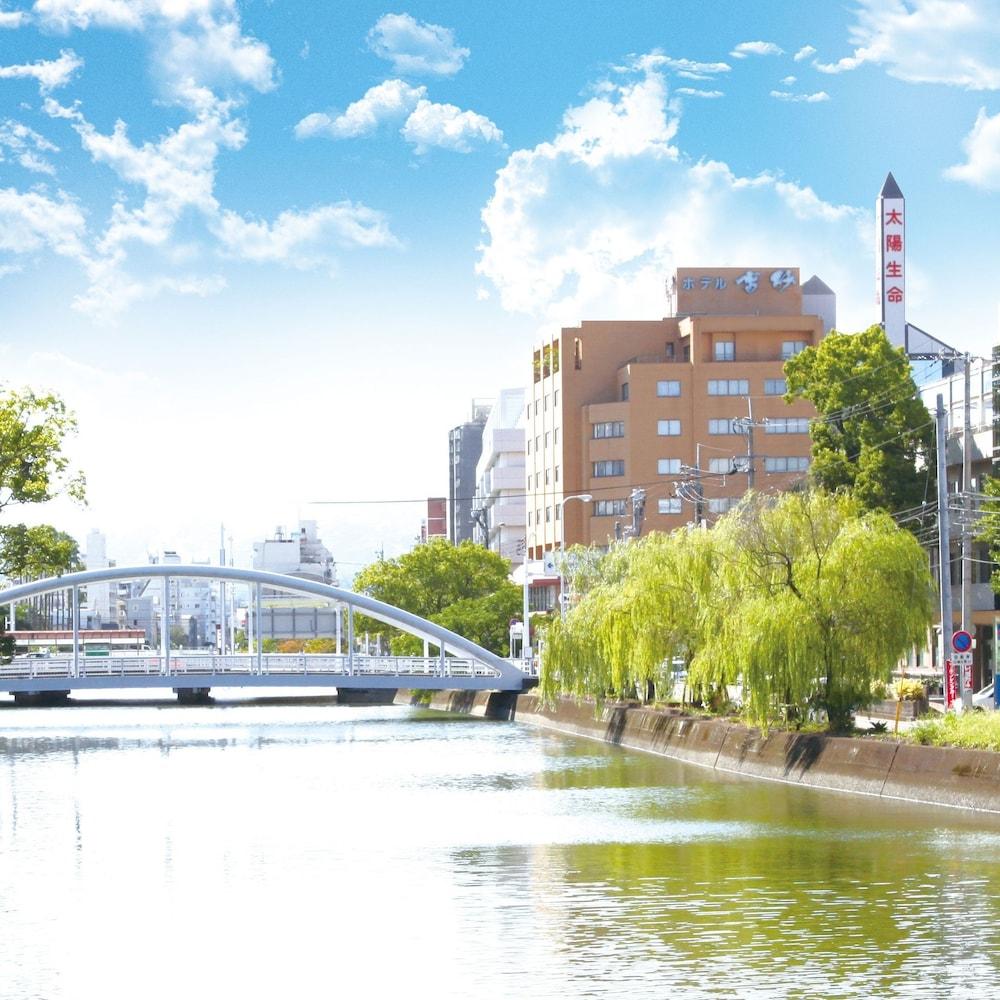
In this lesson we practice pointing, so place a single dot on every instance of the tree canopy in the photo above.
(462, 587)
(874, 436)
(804, 600)
(33, 466)
(36, 552)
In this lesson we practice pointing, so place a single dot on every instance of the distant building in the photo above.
(102, 605)
(465, 444)
(499, 507)
(435, 524)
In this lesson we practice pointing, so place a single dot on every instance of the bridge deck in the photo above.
(201, 670)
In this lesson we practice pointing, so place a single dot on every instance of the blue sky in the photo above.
(269, 251)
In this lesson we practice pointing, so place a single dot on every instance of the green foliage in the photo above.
(320, 646)
(33, 467)
(989, 525)
(908, 689)
(462, 587)
(805, 600)
(873, 429)
(971, 730)
(36, 552)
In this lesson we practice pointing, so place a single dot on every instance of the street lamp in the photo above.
(585, 497)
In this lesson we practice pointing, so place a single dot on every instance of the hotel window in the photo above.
(725, 350)
(548, 439)
(775, 387)
(556, 474)
(555, 435)
(670, 351)
(793, 463)
(546, 477)
(538, 443)
(529, 518)
(789, 348)
(723, 465)
(787, 425)
(548, 514)
(545, 401)
(536, 407)
(609, 508)
(556, 512)
(728, 387)
(609, 429)
(668, 428)
(555, 398)
(668, 505)
(529, 446)
(669, 387)
(719, 505)
(538, 515)
(614, 467)
(624, 392)
(722, 426)
(668, 466)
(577, 353)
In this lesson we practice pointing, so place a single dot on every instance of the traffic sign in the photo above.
(961, 641)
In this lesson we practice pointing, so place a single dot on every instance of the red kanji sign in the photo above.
(895, 294)
(894, 242)
(894, 269)
(893, 218)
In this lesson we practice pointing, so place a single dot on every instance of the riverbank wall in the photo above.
(966, 779)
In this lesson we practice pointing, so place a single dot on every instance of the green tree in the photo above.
(36, 552)
(429, 579)
(874, 436)
(33, 466)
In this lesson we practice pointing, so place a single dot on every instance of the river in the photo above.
(306, 850)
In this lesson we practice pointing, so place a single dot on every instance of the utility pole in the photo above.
(944, 540)
(967, 534)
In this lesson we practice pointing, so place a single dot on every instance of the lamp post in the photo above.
(585, 497)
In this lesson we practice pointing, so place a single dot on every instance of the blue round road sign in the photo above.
(961, 641)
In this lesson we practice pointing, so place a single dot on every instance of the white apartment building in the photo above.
(499, 508)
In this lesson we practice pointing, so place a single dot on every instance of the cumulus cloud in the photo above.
(26, 147)
(49, 73)
(982, 151)
(788, 81)
(590, 222)
(31, 221)
(804, 53)
(927, 41)
(12, 19)
(693, 92)
(745, 49)
(416, 48)
(816, 98)
(391, 100)
(448, 127)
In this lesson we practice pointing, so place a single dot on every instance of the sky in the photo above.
(269, 251)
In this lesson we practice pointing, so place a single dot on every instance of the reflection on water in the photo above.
(311, 850)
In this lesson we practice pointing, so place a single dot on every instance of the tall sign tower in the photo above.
(890, 260)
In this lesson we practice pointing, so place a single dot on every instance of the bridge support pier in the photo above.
(366, 696)
(41, 699)
(193, 696)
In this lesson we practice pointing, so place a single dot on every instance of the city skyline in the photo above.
(270, 253)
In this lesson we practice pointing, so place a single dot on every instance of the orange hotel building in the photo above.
(619, 405)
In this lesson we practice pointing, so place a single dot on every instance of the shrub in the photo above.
(907, 689)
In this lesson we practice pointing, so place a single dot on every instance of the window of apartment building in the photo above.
(668, 387)
(790, 463)
(529, 446)
(548, 515)
(536, 407)
(669, 351)
(624, 392)
(668, 428)
(555, 473)
(725, 350)
(538, 515)
(787, 425)
(728, 387)
(545, 402)
(609, 429)
(789, 348)
(775, 387)
(609, 508)
(668, 505)
(723, 425)
(556, 512)
(555, 398)
(529, 518)
(548, 439)
(613, 467)
(687, 352)
(668, 466)
(720, 465)
(719, 505)
(555, 435)
(546, 477)
(538, 443)
(577, 353)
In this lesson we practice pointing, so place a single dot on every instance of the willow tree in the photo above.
(645, 608)
(825, 600)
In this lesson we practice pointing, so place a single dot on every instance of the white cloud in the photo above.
(982, 151)
(448, 127)
(804, 53)
(391, 100)
(50, 73)
(112, 291)
(416, 48)
(573, 232)
(787, 81)
(693, 92)
(745, 49)
(26, 146)
(816, 98)
(12, 19)
(32, 221)
(302, 239)
(927, 41)
(688, 68)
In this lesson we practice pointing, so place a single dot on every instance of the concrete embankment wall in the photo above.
(968, 779)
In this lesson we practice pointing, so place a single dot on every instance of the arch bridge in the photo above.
(458, 664)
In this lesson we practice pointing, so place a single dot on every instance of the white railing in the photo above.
(271, 664)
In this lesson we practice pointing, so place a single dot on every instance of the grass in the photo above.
(971, 730)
